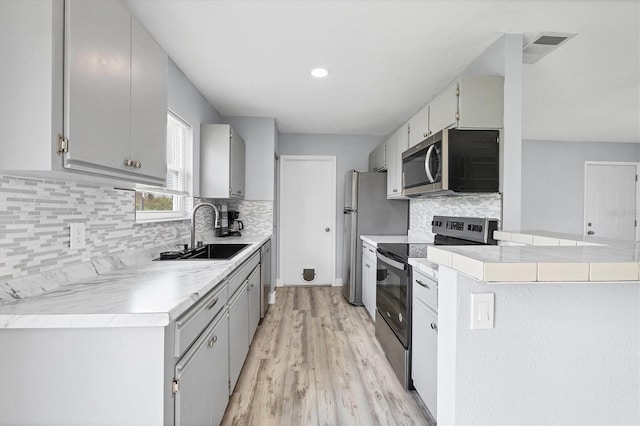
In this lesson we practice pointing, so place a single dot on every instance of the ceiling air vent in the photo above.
(543, 44)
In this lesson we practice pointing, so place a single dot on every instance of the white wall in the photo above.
(559, 354)
(553, 181)
(188, 103)
(351, 151)
(259, 135)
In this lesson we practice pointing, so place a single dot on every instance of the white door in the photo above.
(611, 200)
(307, 219)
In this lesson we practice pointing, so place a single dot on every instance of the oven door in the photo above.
(393, 294)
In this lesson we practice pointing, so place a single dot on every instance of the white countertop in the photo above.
(374, 240)
(147, 294)
(550, 258)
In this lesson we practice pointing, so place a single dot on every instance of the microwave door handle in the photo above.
(427, 160)
(391, 262)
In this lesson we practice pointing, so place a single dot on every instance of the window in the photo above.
(170, 203)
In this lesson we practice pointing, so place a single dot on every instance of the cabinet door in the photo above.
(238, 335)
(369, 284)
(254, 302)
(97, 85)
(148, 104)
(219, 366)
(392, 166)
(419, 126)
(424, 369)
(402, 144)
(237, 164)
(443, 109)
(480, 104)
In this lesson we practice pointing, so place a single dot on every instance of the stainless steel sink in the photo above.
(208, 252)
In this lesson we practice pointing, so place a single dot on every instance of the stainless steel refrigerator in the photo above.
(367, 212)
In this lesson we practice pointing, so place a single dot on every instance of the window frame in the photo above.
(180, 201)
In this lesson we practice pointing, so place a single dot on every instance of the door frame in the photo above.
(284, 159)
(610, 163)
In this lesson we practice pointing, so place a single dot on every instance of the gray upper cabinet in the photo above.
(378, 158)
(222, 162)
(115, 88)
(469, 102)
(100, 84)
(97, 111)
(148, 103)
(419, 126)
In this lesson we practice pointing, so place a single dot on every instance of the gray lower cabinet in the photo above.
(238, 334)
(201, 376)
(253, 289)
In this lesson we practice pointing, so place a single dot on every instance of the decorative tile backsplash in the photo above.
(422, 210)
(35, 214)
(34, 224)
(257, 216)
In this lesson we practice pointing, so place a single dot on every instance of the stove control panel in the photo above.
(476, 229)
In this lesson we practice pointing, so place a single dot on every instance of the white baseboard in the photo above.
(279, 283)
(272, 297)
(337, 282)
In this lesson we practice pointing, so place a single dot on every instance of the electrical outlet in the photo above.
(76, 235)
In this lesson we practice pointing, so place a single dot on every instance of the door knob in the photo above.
(327, 229)
(590, 232)
(589, 224)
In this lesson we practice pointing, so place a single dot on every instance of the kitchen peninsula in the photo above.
(564, 347)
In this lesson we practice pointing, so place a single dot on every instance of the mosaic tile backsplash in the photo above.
(35, 214)
(257, 216)
(421, 211)
(34, 224)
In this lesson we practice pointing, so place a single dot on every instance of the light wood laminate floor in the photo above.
(315, 361)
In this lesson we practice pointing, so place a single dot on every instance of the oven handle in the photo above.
(393, 263)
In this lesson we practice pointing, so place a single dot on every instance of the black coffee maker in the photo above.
(235, 225)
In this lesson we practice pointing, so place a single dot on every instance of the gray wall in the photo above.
(188, 103)
(351, 151)
(553, 180)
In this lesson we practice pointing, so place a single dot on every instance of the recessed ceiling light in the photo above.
(319, 72)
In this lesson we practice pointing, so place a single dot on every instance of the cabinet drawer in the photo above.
(242, 273)
(370, 252)
(425, 289)
(191, 324)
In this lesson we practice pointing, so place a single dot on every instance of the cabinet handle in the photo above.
(128, 163)
(434, 326)
(423, 284)
(212, 341)
(395, 190)
(138, 164)
(367, 265)
(370, 250)
(212, 304)
(425, 135)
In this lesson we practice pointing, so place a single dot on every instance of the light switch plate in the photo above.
(77, 235)
(482, 310)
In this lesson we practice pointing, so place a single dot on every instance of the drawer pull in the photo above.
(434, 326)
(212, 304)
(212, 341)
(423, 284)
(367, 265)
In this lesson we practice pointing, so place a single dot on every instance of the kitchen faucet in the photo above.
(193, 221)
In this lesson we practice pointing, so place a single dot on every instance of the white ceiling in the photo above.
(388, 58)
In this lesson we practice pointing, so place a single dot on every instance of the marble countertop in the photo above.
(146, 294)
(549, 258)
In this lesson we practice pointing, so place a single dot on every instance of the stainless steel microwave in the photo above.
(452, 161)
